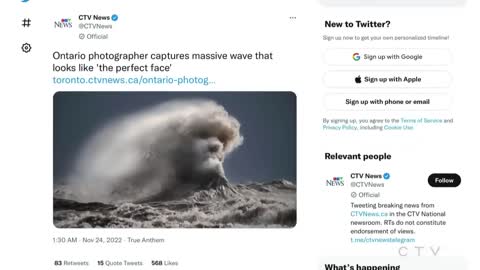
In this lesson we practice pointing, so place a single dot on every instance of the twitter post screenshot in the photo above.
(311, 134)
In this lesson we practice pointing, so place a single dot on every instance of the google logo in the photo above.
(356, 57)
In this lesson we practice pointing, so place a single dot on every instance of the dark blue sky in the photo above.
(268, 124)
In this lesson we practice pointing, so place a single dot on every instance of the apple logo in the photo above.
(358, 79)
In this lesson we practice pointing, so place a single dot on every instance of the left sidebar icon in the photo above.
(26, 23)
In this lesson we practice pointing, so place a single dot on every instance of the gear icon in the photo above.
(26, 47)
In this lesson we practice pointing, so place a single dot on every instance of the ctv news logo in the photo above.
(64, 23)
(336, 181)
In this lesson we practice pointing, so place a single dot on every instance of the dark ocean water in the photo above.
(225, 206)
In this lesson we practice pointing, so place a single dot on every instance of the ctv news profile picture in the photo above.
(335, 181)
